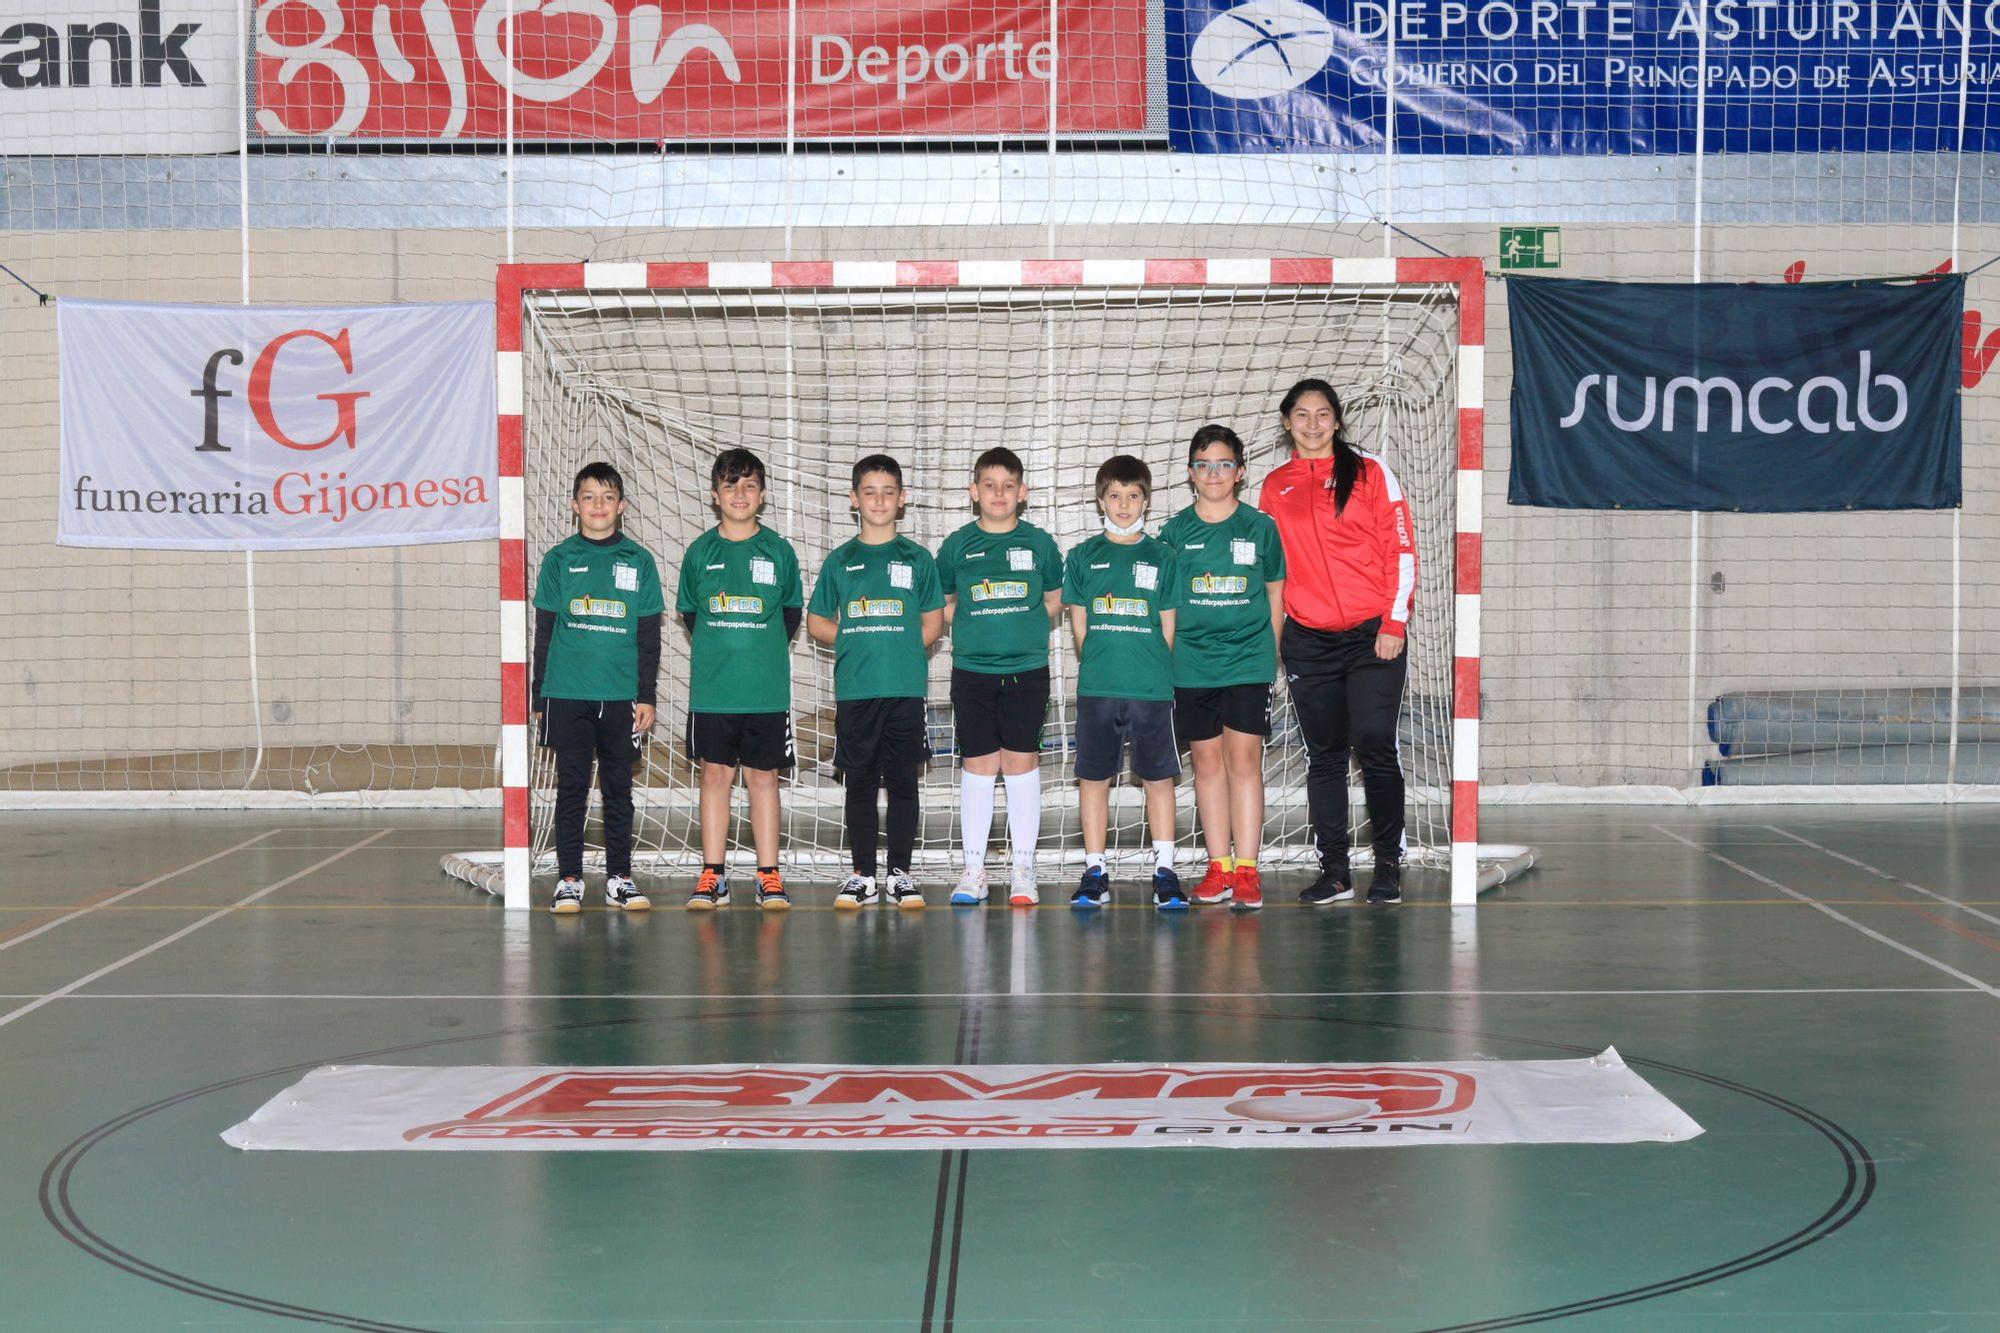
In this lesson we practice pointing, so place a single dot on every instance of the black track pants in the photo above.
(863, 822)
(581, 731)
(1347, 700)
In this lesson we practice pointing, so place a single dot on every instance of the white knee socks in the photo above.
(975, 815)
(1024, 813)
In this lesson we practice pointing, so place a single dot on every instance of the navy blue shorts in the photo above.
(1104, 726)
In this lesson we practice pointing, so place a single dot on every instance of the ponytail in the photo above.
(1346, 458)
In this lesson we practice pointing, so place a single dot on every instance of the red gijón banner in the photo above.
(275, 428)
(618, 71)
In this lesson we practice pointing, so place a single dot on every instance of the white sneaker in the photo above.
(903, 891)
(620, 891)
(857, 891)
(1022, 890)
(971, 887)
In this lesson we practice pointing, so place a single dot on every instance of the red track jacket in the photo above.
(1341, 571)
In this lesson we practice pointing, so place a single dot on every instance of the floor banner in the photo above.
(362, 1108)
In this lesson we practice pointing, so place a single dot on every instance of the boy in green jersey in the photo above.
(1002, 580)
(877, 602)
(596, 667)
(741, 600)
(1232, 570)
(1122, 588)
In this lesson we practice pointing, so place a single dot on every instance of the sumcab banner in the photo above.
(1719, 396)
(275, 428)
(616, 70)
(360, 1108)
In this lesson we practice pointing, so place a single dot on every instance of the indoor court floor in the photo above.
(1818, 987)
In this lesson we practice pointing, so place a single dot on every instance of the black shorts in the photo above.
(754, 740)
(1202, 715)
(1104, 725)
(991, 713)
(603, 727)
(874, 735)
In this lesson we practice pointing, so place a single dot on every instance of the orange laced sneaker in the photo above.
(710, 891)
(771, 895)
(1249, 888)
(1215, 886)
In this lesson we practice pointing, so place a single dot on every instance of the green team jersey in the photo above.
(1122, 588)
(741, 659)
(879, 594)
(1222, 634)
(999, 625)
(599, 591)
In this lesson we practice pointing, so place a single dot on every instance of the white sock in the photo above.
(1024, 812)
(975, 816)
(1163, 854)
(1093, 860)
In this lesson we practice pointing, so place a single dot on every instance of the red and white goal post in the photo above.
(812, 364)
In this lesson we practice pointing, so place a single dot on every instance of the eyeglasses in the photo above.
(1213, 467)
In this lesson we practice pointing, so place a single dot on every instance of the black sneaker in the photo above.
(1094, 891)
(1387, 886)
(1168, 895)
(1332, 886)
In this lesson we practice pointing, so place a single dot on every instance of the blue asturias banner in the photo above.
(1580, 76)
(1767, 399)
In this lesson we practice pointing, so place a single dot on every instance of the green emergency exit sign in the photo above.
(1531, 247)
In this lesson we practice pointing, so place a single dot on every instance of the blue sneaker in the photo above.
(1168, 895)
(1094, 891)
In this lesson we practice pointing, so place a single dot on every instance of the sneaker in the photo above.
(1332, 886)
(1215, 886)
(569, 897)
(1249, 888)
(1094, 891)
(857, 891)
(971, 887)
(1387, 886)
(1022, 891)
(620, 891)
(1168, 895)
(903, 891)
(771, 895)
(710, 892)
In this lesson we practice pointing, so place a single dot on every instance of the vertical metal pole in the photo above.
(1958, 514)
(249, 72)
(1694, 709)
(1389, 139)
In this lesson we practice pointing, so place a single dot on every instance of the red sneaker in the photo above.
(1215, 886)
(1249, 889)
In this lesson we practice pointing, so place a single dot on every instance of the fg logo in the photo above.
(259, 393)
(1262, 49)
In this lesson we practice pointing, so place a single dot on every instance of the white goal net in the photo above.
(657, 381)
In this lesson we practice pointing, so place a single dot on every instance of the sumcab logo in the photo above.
(942, 1102)
(612, 70)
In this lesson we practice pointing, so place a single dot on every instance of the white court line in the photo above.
(137, 888)
(1017, 965)
(1036, 995)
(182, 933)
(1845, 920)
(1932, 894)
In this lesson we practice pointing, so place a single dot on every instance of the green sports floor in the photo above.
(1819, 988)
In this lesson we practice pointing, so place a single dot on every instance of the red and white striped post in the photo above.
(1467, 275)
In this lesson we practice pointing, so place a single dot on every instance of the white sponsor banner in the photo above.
(360, 1108)
(120, 76)
(276, 428)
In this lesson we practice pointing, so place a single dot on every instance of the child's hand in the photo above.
(642, 717)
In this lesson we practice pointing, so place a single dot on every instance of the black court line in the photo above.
(1857, 1189)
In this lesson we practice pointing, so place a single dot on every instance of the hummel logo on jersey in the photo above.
(975, 555)
(1193, 546)
(579, 569)
(854, 569)
(718, 566)
(1105, 565)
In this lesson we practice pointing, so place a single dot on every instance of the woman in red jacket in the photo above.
(1351, 571)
